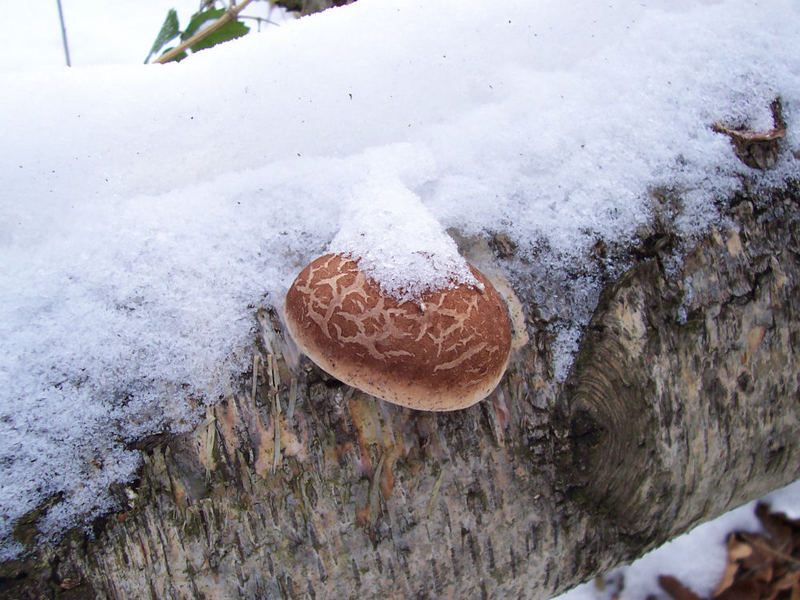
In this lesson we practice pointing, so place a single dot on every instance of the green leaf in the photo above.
(169, 31)
(229, 31)
(198, 19)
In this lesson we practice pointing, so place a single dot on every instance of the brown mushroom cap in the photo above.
(445, 352)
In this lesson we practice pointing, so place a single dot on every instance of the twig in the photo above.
(754, 541)
(261, 20)
(63, 33)
(746, 135)
(230, 14)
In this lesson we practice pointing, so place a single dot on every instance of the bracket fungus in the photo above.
(445, 351)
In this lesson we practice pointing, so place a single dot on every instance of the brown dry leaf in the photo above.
(743, 589)
(676, 589)
(788, 581)
(728, 577)
(747, 135)
(738, 550)
(779, 528)
(758, 565)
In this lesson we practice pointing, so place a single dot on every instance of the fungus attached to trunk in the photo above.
(445, 351)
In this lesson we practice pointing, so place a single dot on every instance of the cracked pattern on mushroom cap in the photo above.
(446, 351)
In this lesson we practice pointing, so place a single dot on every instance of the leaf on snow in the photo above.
(788, 581)
(759, 564)
(676, 589)
(738, 550)
(759, 567)
(743, 589)
(778, 526)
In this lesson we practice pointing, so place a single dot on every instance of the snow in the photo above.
(396, 240)
(697, 558)
(147, 210)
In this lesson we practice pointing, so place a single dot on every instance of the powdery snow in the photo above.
(147, 210)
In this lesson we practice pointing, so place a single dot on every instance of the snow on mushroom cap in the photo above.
(398, 243)
(394, 310)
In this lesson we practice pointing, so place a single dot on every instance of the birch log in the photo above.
(683, 402)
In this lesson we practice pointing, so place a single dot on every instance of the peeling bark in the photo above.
(684, 402)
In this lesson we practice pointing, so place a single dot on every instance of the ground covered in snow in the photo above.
(147, 211)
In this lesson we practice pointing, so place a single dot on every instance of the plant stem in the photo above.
(63, 32)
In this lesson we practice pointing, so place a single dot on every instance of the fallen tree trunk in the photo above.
(683, 402)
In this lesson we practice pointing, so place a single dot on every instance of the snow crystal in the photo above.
(147, 211)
